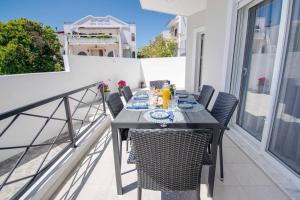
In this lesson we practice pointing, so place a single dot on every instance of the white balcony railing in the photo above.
(91, 40)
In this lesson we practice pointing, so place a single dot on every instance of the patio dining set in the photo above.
(169, 141)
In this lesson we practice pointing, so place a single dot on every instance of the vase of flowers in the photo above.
(121, 84)
(103, 87)
(263, 84)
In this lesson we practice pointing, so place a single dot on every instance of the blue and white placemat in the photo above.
(177, 117)
(196, 108)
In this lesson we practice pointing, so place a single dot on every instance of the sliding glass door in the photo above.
(285, 137)
(261, 40)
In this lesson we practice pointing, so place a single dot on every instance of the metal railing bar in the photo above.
(47, 166)
(27, 148)
(82, 102)
(45, 117)
(34, 145)
(91, 105)
(69, 120)
(93, 91)
(42, 102)
(17, 180)
(9, 125)
(46, 122)
(42, 116)
(13, 169)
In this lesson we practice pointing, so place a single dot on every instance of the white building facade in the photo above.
(178, 29)
(100, 36)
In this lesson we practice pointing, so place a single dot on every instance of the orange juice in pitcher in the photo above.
(166, 96)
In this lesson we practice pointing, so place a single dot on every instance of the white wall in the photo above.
(172, 69)
(194, 21)
(23, 89)
(214, 19)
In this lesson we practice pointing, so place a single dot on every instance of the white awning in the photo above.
(176, 7)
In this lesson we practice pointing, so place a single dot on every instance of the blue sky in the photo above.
(55, 12)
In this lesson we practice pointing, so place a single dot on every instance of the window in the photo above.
(110, 54)
(82, 53)
(132, 37)
(258, 66)
(175, 32)
(285, 137)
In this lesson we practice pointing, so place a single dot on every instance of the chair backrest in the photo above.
(126, 91)
(115, 104)
(158, 84)
(169, 159)
(224, 108)
(205, 95)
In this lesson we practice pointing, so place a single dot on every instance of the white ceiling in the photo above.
(176, 7)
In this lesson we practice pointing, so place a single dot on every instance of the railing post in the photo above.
(69, 120)
(103, 100)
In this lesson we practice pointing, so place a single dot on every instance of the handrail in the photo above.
(70, 139)
(13, 112)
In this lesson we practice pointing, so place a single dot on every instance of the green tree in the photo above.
(160, 47)
(27, 46)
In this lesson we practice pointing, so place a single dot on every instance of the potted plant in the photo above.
(103, 87)
(262, 84)
(121, 84)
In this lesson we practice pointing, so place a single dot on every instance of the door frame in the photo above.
(235, 76)
(196, 72)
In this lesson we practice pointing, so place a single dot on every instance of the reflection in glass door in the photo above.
(285, 136)
(258, 65)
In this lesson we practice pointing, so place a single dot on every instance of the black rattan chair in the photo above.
(158, 84)
(126, 91)
(222, 111)
(115, 106)
(169, 159)
(205, 95)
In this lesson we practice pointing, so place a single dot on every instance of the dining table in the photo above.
(130, 118)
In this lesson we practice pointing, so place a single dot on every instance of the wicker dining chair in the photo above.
(158, 84)
(169, 159)
(126, 91)
(115, 106)
(222, 111)
(205, 95)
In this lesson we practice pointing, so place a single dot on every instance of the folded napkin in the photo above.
(192, 101)
(180, 92)
(171, 116)
(141, 97)
(137, 106)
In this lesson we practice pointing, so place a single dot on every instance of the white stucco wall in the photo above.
(194, 21)
(23, 89)
(214, 19)
(172, 69)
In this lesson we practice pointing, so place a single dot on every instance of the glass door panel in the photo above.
(258, 65)
(285, 137)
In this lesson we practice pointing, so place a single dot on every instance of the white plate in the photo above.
(185, 105)
(183, 95)
(159, 114)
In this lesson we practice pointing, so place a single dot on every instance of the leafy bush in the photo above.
(27, 46)
(160, 47)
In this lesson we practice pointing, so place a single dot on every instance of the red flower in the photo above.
(104, 86)
(262, 80)
(121, 83)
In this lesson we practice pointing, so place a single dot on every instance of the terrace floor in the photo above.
(94, 178)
